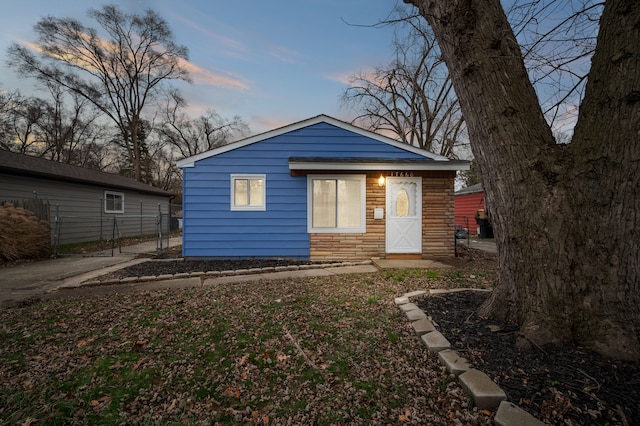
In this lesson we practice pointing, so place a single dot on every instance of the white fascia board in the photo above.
(190, 161)
(435, 165)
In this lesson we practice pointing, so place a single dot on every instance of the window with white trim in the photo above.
(336, 203)
(113, 202)
(248, 192)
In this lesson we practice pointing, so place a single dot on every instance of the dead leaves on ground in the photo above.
(231, 353)
(101, 402)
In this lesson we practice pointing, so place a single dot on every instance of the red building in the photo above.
(467, 202)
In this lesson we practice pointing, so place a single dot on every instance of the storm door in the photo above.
(404, 215)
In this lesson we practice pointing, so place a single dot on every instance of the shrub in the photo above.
(22, 234)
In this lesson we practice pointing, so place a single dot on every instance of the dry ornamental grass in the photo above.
(22, 234)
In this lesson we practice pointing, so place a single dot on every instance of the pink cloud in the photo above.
(284, 54)
(202, 76)
(198, 74)
(344, 77)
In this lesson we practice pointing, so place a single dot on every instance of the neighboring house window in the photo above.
(248, 192)
(336, 203)
(113, 202)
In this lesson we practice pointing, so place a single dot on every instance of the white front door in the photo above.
(404, 215)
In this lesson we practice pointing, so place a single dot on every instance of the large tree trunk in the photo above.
(566, 216)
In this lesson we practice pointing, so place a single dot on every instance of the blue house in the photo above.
(319, 189)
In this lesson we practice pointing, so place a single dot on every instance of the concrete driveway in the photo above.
(32, 279)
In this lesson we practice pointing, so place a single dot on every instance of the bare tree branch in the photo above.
(119, 73)
(412, 97)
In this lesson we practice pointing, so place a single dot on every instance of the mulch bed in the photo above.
(559, 385)
(185, 266)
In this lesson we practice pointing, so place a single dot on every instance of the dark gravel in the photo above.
(559, 385)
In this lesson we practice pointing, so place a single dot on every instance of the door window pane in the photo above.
(402, 203)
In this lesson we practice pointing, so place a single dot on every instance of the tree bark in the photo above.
(565, 216)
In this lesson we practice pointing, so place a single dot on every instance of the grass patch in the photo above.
(401, 275)
(467, 279)
(372, 300)
(332, 350)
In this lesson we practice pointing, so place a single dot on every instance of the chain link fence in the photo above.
(82, 225)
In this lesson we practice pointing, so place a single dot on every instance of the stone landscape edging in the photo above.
(485, 393)
(216, 274)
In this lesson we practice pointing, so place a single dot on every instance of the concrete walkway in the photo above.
(78, 273)
(409, 264)
(33, 279)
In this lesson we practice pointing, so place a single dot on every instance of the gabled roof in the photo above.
(471, 189)
(432, 157)
(25, 165)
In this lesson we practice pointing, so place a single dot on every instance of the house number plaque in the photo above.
(402, 174)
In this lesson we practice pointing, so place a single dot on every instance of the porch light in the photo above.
(381, 181)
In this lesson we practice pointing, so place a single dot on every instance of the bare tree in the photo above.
(64, 129)
(163, 170)
(53, 130)
(192, 136)
(412, 97)
(7, 102)
(119, 70)
(565, 215)
(20, 124)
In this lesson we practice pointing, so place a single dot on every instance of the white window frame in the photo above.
(116, 194)
(263, 202)
(338, 230)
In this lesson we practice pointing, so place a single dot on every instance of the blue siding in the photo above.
(212, 230)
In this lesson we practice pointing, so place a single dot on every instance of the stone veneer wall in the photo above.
(438, 219)
(437, 223)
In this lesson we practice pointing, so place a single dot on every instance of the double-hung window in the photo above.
(113, 202)
(248, 192)
(336, 203)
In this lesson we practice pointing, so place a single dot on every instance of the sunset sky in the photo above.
(270, 62)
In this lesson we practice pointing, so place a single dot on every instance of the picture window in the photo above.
(337, 203)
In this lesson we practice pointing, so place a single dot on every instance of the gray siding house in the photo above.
(82, 204)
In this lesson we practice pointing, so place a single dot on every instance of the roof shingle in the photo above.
(25, 165)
